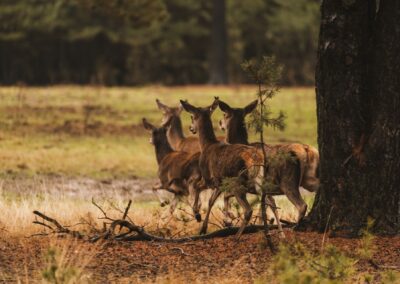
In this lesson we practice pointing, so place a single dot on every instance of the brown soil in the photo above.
(213, 260)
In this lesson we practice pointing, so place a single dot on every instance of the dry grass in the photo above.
(70, 202)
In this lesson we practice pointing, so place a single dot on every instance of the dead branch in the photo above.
(102, 211)
(59, 228)
(133, 232)
(142, 235)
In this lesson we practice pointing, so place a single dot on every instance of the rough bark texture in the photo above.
(358, 108)
(218, 58)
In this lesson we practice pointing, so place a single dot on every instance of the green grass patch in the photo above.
(97, 132)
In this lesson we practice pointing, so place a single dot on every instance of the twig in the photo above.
(326, 229)
(119, 210)
(182, 252)
(102, 211)
(60, 229)
(126, 213)
(127, 210)
(43, 224)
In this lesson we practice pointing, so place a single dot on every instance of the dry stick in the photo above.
(119, 210)
(326, 229)
(126, 212)
(127, 209)
(102, 211)
(60, 228)
(43, 224)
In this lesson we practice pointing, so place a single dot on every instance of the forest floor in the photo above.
(223, 260)
(26, 258)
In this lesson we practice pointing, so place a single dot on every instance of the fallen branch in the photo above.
(134, 232)
(137, 233)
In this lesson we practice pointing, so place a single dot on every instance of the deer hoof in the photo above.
(198, 217)
(164, 203)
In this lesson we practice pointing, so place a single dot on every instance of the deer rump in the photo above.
(308, 158)
(283, 170)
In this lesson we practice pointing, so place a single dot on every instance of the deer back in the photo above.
(178, 165)
(219, 160)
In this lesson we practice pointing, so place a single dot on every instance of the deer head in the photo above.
(234, 116)
(158, 135)
(168, 112)
(199, 113)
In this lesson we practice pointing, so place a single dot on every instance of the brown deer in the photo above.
(219, 161)
(175, 135)
(178, 171)
(234, 124)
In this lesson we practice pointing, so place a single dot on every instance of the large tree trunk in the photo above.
(218, 57)
(358, 108)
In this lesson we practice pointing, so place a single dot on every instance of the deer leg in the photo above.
(194, 193)
(173, 205)
(211, 202)
(248, 211)
(271, 202)
(228, 215)
(155, 189)
(295, 197)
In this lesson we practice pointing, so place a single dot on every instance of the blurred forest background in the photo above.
(170, 42)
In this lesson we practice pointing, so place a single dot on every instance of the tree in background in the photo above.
(139, 42)
(73, 40)
(358, 107)
(218, 56)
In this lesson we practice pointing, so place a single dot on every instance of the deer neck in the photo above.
(237, 133)
(162, 149)
(206, 132)
(175, 132)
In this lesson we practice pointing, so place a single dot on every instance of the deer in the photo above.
(233, 123)
(175, 134)
(219, 160)
(178, 171)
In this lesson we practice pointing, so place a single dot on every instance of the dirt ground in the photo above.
(217, 260)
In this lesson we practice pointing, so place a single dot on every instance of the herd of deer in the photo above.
(188, 165)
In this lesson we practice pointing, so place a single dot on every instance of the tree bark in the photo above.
(218, 57)
(358, 109)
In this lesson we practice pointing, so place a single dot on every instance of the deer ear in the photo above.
(224, 107)
(188, 107)
(162, 106)
(147, 125)
(214, 105)
(250, 107)
(180, 108)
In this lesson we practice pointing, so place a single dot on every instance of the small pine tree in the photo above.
(266, 74)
